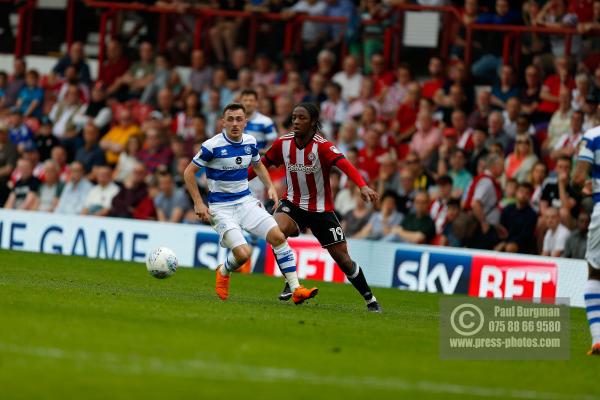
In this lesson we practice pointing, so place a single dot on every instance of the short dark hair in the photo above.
(200, 116)
(104, 165)
(163, 173)
(565, 158)
(249, 92)
(335, 85)
(526, 185)
(453, 203)
(459, 150)
(444, 180)
(233, 107)
(404, 65)
(389, 193)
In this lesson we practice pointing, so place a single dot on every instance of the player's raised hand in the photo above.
(368, 194)
(202, 212)
(272, 193)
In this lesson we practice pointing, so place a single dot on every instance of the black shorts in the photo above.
(325, 226)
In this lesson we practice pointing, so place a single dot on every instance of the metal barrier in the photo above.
(204, 17)
(514, 32)
(25, 10)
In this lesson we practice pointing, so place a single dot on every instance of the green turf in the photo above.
(80, 328)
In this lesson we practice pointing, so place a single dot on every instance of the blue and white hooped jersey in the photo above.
(589, 151)
(262, 128)
(226, 164)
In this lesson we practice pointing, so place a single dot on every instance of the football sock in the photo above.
(358, 280)
(231, 264)
(287, 264)
(592, 308)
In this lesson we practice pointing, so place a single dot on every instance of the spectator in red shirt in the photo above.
(437, 79)
(155, 153)
(382, 77)
(552, 85)
(367, 119)
(369, 157)
(406, 116)
(115, 66)
(592, 22)
(583, 8)
(131, 195)
(464, 133)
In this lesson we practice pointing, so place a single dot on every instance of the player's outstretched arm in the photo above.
(200, 208)
(263, 174)
(366, 192)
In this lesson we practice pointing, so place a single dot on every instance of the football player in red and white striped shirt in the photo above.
(308, 158)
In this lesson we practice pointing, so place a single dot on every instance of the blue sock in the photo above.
(592, 308)
(287, 264)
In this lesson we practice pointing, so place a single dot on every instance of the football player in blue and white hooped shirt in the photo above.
(231, 208)
(259, 125)
(589, 161)
(262, 128)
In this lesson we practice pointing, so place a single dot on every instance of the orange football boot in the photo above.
(301, 294)
(222, 286)
(595, 350)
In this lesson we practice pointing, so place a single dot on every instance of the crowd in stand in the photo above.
(473, 156)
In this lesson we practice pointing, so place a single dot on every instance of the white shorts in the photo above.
(592, 254)
(247, 215)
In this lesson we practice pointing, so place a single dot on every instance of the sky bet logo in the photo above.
(209, 253)
(429, 272)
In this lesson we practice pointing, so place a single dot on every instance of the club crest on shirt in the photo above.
(248, 149)
(311, 156)
(335, 150)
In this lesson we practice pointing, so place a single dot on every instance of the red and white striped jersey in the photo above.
(307, 170)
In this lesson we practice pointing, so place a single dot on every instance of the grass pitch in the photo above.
(80, 328)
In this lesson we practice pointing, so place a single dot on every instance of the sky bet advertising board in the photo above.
(406, 267)
(481, 275)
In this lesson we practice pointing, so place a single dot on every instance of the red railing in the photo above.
(25, 10)
(204, 17)
(513, 33)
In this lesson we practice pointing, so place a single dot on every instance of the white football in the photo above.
(162, 263)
